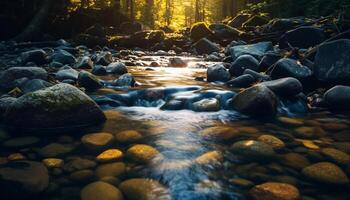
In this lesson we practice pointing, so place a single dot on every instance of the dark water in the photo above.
(178, 136)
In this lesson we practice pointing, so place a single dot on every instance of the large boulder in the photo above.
(58, 106)
(303, 37)
(332, 62)
(338, 97)
(287, 67)
(200, 30)
(23, 180)
(205, 46)
(242, 63)
(284, 86)
(257, 101)
(8, 77)
(217, 72)
(257, 50)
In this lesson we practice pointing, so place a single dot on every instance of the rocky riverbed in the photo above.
(249, 121)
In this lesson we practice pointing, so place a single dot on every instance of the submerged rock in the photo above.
(144, 189)
(23, 179)
(253, 150)
(206, 105)
(97, 141)
(274, 191)
(101, 190)
(327, 173)
(257, 101)
(142, 153)
(125, 80)
(58, 106)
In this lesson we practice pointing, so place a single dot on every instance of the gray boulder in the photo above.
(217, 72)
(117, 68)
(338, 97)
(59, 106)
(257, 50)
(242, 63)
(287, 67)
(284, 86)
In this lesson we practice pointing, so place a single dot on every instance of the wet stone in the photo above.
(82, 175)
(142, 153)
(100, 190)
(21, 142)
(272, 141)
(115, 169)
(97, 141)
(220, 133)
(207, 105)
(55, 150)
(336, 156)
(53, 163)
(210, 158)
(253, 150)
(128, 136)
(109, 155)
(79, 164)
(326, 173)
(145, 189)
(274, 191)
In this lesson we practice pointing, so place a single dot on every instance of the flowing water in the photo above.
(194, 166)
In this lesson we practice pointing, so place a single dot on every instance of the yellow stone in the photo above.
(16, 156)
(53, 162)
(273, 141)
(309, 144)
(110, 155)
(291, 121)
(210, 158)
(142, 153)
(222, 133)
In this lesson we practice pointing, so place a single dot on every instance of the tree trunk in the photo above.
(35, 25)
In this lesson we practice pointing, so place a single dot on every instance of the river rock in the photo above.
(20, 142)
(274, 191)
(99, 70)
(220, 133)
(338, 97)
(144, 189)
(85, 63)
(206, 105)
(336, 156)
(287, 67)
(210, 158)
(101, 190)
(253, 150)
(273, 141)
(23, 179)
(97, 141)
(217, 72)
(109, 155)
(256, 101)
(89, 81)
(242, 63)
(268, 60)
(295, 161)
(332, 63)
(115, 169)
(8, 77)
(177, 62)
(117, 68)
(142, 153)
(257, 76)
(284, 86)
(242, 81)
(67, 74)
(34, 85)
(205, 46)
(128, 136)
(256, 50)
(53, 163)
(58, 106)
(224, 32)
(63, 57)
(37, 56)
(303, 37)
(55, 150)
(125, 80)
(104, 58)
(199, 30)
(77, 164)
(327, 173)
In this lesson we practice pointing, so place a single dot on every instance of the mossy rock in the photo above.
(200, 30)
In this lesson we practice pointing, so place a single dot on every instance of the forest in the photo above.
(175, 99)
